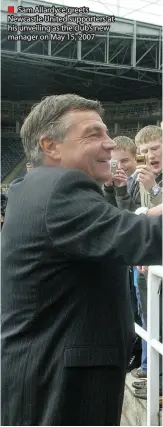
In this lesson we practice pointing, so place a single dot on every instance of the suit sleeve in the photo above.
(125, 201)
(81, 224)
(109, 195)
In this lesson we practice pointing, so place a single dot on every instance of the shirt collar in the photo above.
(132, 176)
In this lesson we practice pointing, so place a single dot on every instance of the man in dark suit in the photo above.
(67, 325)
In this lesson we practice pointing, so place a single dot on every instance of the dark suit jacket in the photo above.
(65, 298)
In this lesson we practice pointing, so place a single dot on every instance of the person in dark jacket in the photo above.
(67, 323)
(125, 193)
(3, 207)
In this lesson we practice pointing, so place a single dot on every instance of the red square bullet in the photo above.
(11, 9)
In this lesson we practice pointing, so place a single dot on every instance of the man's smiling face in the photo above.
(153, 154)
(87, 145)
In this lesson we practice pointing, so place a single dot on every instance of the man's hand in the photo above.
(145, 177)
(109, 183)
(156, 210)
(120, 178)
(142, 269)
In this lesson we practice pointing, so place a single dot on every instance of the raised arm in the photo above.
(82, 224)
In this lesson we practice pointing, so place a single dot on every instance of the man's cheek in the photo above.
(146, 160)
(160, 155)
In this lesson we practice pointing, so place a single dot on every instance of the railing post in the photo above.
(152, 354)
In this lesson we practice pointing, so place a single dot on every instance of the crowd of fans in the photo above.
(143, 188)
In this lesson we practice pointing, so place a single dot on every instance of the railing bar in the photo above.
(154, 346)
(140, 331)
(158, 346)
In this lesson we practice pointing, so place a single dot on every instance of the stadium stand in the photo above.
(139, 109)
(12, 153)
(125, 109)
(130, 116)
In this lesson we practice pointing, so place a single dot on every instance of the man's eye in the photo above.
(94, 135)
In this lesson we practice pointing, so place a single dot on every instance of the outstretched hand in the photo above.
(156, 210)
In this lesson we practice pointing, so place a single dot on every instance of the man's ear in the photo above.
(50, 147)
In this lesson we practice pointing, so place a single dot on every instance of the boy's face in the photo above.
(153, 155)
(126, 160)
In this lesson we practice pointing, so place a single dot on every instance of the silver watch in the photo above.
(154, 190)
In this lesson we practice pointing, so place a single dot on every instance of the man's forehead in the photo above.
(150, 144)
(86, 118)
(121, 153)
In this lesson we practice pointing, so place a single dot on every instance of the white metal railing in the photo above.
(154, 346)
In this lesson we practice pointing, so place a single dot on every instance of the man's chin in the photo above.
(104, 178)
(156, 170)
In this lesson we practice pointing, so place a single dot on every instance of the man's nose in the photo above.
(150, 155)
(109, 144)
(119, 165)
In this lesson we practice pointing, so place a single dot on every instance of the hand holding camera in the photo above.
(145, 176)
(120, 178)
(113, 167)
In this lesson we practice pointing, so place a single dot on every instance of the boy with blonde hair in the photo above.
(149, 142)
(123, 189)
